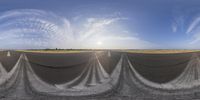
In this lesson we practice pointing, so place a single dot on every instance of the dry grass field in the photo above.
(146, 51)
(54, 51)
(163, 51)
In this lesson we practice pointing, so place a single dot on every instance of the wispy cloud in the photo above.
(97, 26)
(30, 28)
(174, 27)
(193, 25)
(188, 25)
(194, 30)
(106, 30)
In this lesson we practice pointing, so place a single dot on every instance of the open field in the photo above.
(55, 51)
(162, 51)
(109, 74)
(149, 51)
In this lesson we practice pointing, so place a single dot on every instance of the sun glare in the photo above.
(99, 43)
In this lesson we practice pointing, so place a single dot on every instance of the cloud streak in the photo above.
(194, 30)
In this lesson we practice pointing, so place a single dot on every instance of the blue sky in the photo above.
(111, 24)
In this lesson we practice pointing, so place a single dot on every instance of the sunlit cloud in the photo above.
(118, 42)
(30, 28)
(97, 26)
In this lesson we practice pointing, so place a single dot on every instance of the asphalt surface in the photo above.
(62, 68)
(160, 68)
(58, 68)
(109, 61)
(8, 62)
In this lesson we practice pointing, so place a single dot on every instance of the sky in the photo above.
(100, 24)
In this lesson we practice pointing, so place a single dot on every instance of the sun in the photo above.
(99, 43)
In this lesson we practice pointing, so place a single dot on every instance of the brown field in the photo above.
(54, 51)
(161, 51)
(148, 51)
